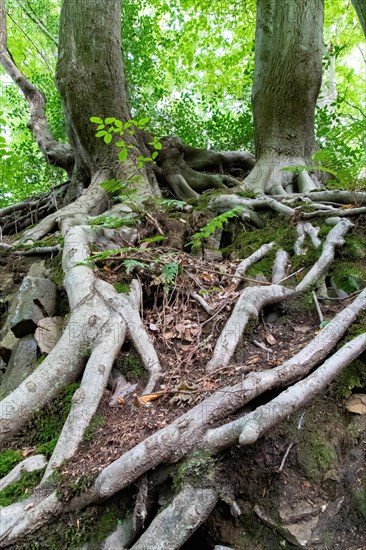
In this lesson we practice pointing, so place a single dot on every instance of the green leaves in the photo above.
(211, 226)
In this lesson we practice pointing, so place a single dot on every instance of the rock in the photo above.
(22, 362)
(7, 344)
(36, 300)
(30, 464)
(356, 403)
(297, 521)
(48, 333)
(219, 547)
(38, 269)
(6, 285)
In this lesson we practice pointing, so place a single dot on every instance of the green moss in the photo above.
(54, 265)
(69, 488)
(264, 266)
(130, 365)
(247, 242)
(73, 530)
(359, 501)
(307, 260)
(353, 376)
(198, 467)
(299, 303)
(316, 454)
(122, 288)
(355, 248)
(19, 490)
(348, 276)
(9, 459)
(43, 429)
(47, 241)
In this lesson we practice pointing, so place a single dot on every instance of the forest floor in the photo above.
(326, 462)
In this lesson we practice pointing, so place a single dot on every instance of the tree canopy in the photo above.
(190, 69)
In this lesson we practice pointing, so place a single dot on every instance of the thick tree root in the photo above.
(176, 523)
(333, 241)
(192, 430)
(250, 303)
(262, 419)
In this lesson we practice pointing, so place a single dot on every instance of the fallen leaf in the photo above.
(28, 506)
(271, 340)
(121, 402)
(28, 451)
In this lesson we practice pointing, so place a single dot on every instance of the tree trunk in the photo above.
(287, 80)
(91, 81)
(360, 8)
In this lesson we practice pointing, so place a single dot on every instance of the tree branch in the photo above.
(55, 153)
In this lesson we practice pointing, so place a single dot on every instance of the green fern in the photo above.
(211, 226)
(172, 204)
(130, 265)
(169, 274)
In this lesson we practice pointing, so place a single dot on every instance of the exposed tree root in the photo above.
(176, 523)
(334, 240)
(262, 419)
(250, 302)
(192, 430)
(252, 259)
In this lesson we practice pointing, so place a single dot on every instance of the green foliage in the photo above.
(9, 459)
(122, 288)
(168, 275)
(216, 223)
(109, 126)
(20, 490)
(171, 204)
(348, 276)
(131, 265)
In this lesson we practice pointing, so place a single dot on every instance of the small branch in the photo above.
(341, 213)
(202, 302)
(38, 23)
(55, 153)
(285, 457)
(319, 311)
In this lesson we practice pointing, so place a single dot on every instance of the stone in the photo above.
(7, 344)
(48, 333)
(38, 269)
(22, 362)
(35, 300)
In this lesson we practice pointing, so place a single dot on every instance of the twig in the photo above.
(285, 457)
(319, 311)
(155, 222)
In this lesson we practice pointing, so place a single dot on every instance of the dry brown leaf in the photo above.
(169, 335)
(356, 403)
(28, 451)
(271, 340)
(121, 402)
(142, 400)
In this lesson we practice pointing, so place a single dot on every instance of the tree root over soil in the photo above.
(100, 321)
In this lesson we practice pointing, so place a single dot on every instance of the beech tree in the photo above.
(120, 177)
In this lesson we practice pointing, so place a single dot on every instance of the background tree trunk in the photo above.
(91, 81)
(360, 7)
(287, 80)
